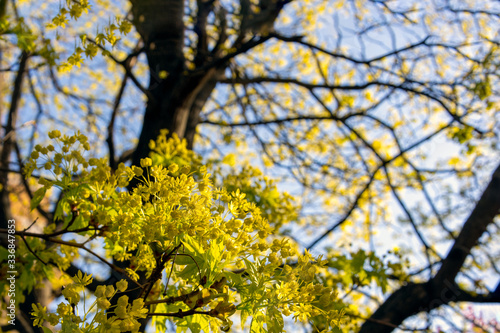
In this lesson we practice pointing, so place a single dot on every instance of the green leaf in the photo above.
(245, 313)
(37, 197)
(233, 278)
(190, 273)
(257, 325)
(214, 258)
(48, 271)
(191, 245)
(59, 213)
(78, 223)
(195, 323)
(274, 319)
(183, 259)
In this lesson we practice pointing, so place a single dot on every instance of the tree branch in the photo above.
(127, 64)
(442, 289)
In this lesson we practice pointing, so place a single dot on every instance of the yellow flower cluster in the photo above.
(75, 9)
(123, 318)
(175, 205)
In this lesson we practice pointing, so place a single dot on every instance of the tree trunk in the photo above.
(176, 96)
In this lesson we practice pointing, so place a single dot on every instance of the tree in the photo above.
(362, 108)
